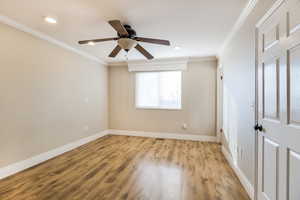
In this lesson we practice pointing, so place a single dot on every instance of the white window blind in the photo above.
(158, 90)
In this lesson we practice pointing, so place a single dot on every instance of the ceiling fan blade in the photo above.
(116, 24)
(97, 40)
(115, 52)
(154, 41)
(144, 52)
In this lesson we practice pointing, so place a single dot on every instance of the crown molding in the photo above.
(158, 65)
(238, 24)
(118, 63)
(10, 22)
(202, 58)
(158, 61)
(169, 60)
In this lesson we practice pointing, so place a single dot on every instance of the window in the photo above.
(158, 90)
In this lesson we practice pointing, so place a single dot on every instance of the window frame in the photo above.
(157, 107)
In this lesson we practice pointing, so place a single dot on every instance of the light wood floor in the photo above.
(121, 167)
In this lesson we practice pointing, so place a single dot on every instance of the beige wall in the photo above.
(238, 62)
(198, 103)
(48, 96)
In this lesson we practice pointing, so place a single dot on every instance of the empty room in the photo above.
(150, 100)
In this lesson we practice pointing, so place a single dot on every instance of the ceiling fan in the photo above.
(127, 40)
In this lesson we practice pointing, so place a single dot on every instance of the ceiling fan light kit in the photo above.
(126, 43)
(127, 40)
(91, 43)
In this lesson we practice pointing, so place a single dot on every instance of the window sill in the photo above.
(158, 108)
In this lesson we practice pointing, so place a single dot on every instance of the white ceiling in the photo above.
(199, 27)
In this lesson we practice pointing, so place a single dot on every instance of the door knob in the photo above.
(258, 127)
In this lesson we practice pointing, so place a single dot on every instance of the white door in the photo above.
(279, 103)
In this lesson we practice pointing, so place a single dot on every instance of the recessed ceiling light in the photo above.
(50, 20)
(91, 43)
(177, 48)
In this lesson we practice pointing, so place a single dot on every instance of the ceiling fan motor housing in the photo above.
(130, 31)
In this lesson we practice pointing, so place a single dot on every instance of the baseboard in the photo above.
(243, 179)
(25, 164)
(30, 162)
(179, 136)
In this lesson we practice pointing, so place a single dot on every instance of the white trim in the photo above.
(240, 21)
(43, 36)
(219, 117)
(179, 136)
(274, 7)
(202, 58)
(157, 108)
(117, 63)
(158, 65)
(189, 59)
(242, 177)
(256, 118)
(30, 162)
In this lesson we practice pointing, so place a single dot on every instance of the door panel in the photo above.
(270, 168)
(293, 175)
(278, 60)
(294, 84)
(271, 89)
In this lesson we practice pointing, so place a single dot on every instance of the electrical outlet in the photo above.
(184, 126)
(86, 128)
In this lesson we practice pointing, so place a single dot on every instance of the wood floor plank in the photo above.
(132, 168)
